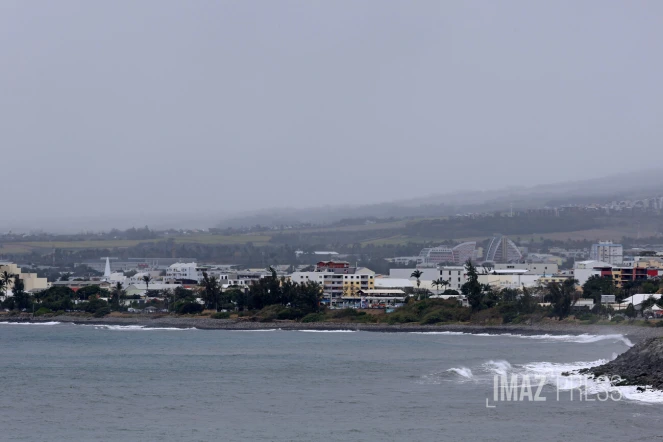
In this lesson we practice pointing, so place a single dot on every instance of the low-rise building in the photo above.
(31, 282)
(534, 268)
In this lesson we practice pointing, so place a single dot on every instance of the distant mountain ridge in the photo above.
(648, 183)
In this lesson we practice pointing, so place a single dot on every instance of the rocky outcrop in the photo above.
(642, 364)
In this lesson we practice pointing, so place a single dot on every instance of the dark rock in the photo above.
(640, 365)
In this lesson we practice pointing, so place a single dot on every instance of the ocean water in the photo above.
(111, 383)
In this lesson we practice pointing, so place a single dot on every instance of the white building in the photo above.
(454, 274)
(583, 270)
(334, 284)
(405, 260)
(509, 279)
(532, 268)
(181, 271)
(608, 252)
(393, 283)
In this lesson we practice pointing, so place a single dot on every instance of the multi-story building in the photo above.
(337, 279)
(452, 255)
(30, 280)
(608, 252)
(557, 278)
(181, 271)
(405, 260)
(502, 250)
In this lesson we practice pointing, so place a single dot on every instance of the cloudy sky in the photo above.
(155, 108)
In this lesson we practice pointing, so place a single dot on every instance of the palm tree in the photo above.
(444, 283)
(437, 283)
(147, 279)
(6, 279)
(417, 274)
(211, 290)
(117, 294)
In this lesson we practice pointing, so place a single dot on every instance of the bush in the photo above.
(617, 319)
(432, 318)
(489, 316)
(187, 308)
(313, 317)
(103, 311)
(347, 313)
(43, 311)
(269, 313)
(290, 313)
(220, 315)
(402, 317)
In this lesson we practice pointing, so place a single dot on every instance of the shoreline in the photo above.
(635, 333)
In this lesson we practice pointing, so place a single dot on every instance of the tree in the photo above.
(65, 277)
(562, 297)
(167, 295)
(211, 291)
(630, 311)
(417, 275)
(118, 292)
(472, 289)
(647, 304)
(147, 279)
(21, 298)
(436, 283)
(444, 283)
(596, 286)
(6, 278)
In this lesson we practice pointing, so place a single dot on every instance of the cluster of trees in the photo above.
(512, 303)
(271, 290)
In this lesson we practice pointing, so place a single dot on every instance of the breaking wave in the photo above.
(258, 330)
(593, 386)
(564, 377)
(579, 339)
(328, 331)
(134, 327)
(498, 367)
(463, 372)
(32, 323)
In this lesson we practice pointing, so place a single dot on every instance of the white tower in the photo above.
(107, 270)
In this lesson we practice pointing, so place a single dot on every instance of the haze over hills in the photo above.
(647, 183)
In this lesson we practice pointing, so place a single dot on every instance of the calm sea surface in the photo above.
(70, 382)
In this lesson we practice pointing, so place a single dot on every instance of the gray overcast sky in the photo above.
(155, 107)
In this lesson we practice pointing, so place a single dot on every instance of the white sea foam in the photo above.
(462, 371)
(259, 330)
(593, 386)
(328, 331)
(500, 367)
(32, 323)
(134, 327)
(579, 339)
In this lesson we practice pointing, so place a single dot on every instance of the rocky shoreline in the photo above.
(641, 365)
(634, 333)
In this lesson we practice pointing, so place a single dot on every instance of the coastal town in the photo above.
(604, 279)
